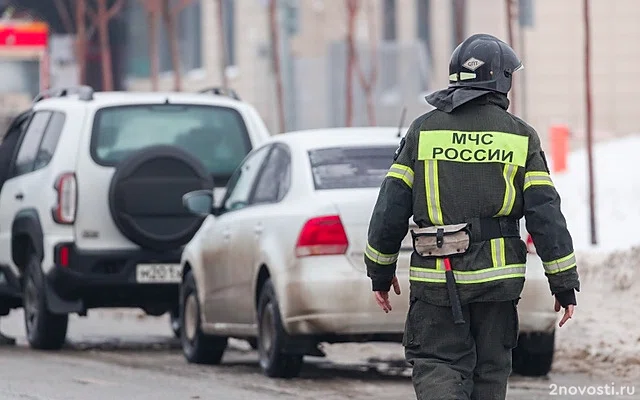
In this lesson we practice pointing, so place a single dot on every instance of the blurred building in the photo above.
(417, 38)
(313, 58)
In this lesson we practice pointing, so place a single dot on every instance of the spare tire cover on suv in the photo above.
(145, 197)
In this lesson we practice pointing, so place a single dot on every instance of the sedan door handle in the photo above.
(226, 235)
(19, 196)
(258, 229)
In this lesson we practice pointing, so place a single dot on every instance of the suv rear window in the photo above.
(350, 167)
(217, 136)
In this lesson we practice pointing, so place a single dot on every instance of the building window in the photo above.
(389, 16)
(189, 30)
(229, 18)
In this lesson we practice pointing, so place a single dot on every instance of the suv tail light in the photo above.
(322, 236)
(531, 248)
(65, 210)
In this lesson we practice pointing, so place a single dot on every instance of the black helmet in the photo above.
(485, 62)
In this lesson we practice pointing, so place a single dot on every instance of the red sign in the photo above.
(24, 34)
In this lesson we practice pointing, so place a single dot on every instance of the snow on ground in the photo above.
(617, 189)
(604, 335)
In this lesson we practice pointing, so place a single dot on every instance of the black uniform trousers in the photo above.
(461, 362)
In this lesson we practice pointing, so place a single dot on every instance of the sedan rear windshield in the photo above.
(350, 167)
(217, 136)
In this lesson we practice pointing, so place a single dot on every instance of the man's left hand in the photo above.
(382, 298)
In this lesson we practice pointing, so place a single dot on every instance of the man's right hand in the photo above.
(568, 312)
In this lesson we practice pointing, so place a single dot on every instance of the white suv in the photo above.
(91, 202)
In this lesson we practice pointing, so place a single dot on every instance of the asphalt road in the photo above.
(117, 355)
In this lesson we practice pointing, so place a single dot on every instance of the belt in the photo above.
(483, 229)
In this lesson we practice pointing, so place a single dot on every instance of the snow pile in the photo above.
(617, 193)
(603, 337)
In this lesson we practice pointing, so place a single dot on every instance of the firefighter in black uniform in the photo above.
(467, 172)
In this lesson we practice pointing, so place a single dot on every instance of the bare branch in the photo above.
(65, 15)
(115, 9)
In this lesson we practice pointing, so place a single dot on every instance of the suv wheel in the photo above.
(45, 330)
(272, 338)
(198, 348)
(534, 354)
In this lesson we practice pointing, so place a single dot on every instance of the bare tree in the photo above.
(510, 20)
(101, 17)
(65, 15)
(81, 40)
(274, 27)
(223, 45)
(354, 64)
(170, 14)
(369, 84)
(352, 12)
(153, 10)
(459, 7)
(75, 25)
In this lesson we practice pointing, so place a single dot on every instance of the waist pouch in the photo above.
(450, 240)
(441, 241)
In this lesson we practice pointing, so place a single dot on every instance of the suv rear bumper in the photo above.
(96, 279)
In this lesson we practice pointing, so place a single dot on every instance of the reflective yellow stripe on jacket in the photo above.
(403, 173)
(378, 257)
(537, 178)
(468, 277)
(560, 265)
(433, 192)
(509, 173)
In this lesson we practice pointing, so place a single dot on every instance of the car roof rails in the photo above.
(85, 93)
(220, 91)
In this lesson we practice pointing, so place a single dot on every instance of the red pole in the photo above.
(589, 124)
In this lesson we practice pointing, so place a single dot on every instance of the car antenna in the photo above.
(404, 113)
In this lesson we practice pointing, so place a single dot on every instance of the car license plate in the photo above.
(159, 273)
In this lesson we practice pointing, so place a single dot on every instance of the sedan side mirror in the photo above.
(199, 202)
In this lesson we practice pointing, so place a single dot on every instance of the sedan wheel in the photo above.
(534, 354)
(274, 361)
(190, 316)
(197, 347)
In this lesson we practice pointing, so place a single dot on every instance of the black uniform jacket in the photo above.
(476, 164)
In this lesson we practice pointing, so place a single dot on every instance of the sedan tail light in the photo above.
(531, 248)
(322, 236)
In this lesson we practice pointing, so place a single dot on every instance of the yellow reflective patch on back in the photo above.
(473, 147)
